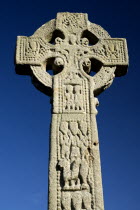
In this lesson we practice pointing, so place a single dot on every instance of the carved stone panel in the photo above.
(78, 180)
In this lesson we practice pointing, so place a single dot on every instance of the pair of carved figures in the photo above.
(73, 98)
(76, 200)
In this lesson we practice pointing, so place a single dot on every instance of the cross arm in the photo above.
(31, 59)
(32, 50)
(112, 52)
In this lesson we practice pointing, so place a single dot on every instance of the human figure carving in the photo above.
(66, 201)
(64, 141)
(77, 200)
(86, 65)
(78, 98)
(86, 200)
(84, 168)
(65, 146)
(75, 161)
(69, 97)
(65, 165)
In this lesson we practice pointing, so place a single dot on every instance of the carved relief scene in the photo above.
(75, 165)
(74, 92)
(73, 98)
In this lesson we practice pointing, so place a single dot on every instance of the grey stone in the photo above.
(73, 47)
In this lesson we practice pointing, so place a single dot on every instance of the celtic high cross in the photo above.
(72, 47)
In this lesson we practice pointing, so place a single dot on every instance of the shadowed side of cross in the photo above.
(57, 43)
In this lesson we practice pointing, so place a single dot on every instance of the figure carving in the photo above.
(85, 42)
(78, 98)
(87, 65)
(77, 200)
(87, 200)
(65, 164)
(66, 201)
(75, 162)
(84, 167)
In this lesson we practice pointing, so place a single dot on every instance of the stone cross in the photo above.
(73, 47)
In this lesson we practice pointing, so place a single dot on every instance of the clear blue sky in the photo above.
(25, 112)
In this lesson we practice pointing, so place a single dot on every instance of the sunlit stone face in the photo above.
(72, 47)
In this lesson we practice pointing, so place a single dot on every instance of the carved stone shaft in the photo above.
(73, 47)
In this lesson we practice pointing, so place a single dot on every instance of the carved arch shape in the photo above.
(41, 79)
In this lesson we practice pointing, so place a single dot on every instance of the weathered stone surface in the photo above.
(73, 47)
